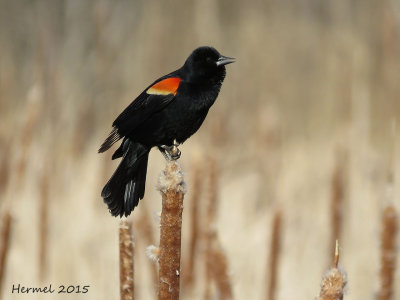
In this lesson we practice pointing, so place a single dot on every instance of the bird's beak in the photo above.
(223, 60)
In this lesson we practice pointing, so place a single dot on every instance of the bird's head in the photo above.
(206, 64)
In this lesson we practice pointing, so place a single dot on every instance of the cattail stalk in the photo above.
(194, 226)
(145, 229)
(388, 253)
(213, 193)
(126, 260)
(337, 196)
(211, 211)
(216, 268)
(219, 264)
(334, 281)
(172, 188)
(5, 243)
(43, 221)
(4, 170)
(274, 254)
(32, 118)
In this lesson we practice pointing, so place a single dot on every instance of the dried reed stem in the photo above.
(43, 221)
(388, 253)
(83, 129)
(126, 260)
(336, 257)
(194, 226)
(274, 254)
(145, 229)
(4, 170)
(172, 188)
(32, 118)
(219, 264)
(211, 211)
(334, 281)
(216, 268)
(5, 244)
(213, 193)
(337, 188)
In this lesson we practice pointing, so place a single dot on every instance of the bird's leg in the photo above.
(171, 152)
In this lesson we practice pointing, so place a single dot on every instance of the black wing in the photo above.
(143, 107)
(139, 111)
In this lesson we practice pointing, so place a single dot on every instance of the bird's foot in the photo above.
(171, 152)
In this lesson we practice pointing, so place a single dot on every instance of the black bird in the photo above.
(164, 115)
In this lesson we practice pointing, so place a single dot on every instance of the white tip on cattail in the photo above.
(153, 253)
(171, 178)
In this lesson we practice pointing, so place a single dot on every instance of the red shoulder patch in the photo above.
(165, 87)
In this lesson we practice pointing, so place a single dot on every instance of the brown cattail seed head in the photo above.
(388, 253)
(334, 281)
(333, 284)
(171, 178)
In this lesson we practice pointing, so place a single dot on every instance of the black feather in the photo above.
(121, 149)
(112, 138)
(127, 185)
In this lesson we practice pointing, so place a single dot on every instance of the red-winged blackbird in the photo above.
(165, 114)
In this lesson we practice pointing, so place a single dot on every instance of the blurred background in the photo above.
(314, 93)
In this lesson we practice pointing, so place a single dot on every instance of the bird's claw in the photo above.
(171, 152)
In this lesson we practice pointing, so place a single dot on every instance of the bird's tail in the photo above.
(126, 186)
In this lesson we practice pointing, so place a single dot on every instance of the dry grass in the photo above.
(4, 170)
(275, 249)
(220, 270)
(144, 228)
(189, 267)
(337, 198)
(31, 121)
(216, 267)
(43, 224)
(388, 253)
(209, 225)
(4, 247)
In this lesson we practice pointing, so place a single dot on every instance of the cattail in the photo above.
(337, 196)
(213, 192)
(219, 132)
(32, 118)
(388, 253)
(5, 243)
(216, 268)
(172, 188)
(219, 264)
(194, 226)
(145, 229)
(101, 15)
(83, 129)
(209, 226)
(274, 254)
(334, 281)
(126, 260)
(4, 170)
(43, 221)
